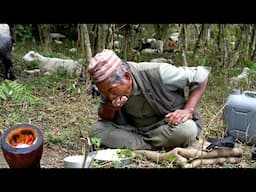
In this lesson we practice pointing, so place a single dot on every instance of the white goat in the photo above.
(57, 36)
(173, 43)
(160, 60)
(150, 51)
(49, 64)
(240, 77)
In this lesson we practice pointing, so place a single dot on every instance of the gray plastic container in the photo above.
(240, 116)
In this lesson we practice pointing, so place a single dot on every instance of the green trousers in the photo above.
(158, 135)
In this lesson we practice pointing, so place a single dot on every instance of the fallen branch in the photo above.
(198, 162)
(184, 155)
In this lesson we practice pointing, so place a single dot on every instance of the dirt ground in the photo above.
(53, 158)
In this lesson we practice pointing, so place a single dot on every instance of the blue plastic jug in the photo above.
(240, 116)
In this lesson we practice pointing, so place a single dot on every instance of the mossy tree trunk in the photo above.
(44, 31)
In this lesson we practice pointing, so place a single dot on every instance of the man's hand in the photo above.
(119, 101)
(179, 116)
(108, 110)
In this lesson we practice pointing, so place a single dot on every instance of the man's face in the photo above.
(114, 90)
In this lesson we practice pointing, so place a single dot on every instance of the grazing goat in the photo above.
(150, 46)
(160, 60)
(173, 43)
(6, 46)
(51, 65)
(56, 36)
(241, 77)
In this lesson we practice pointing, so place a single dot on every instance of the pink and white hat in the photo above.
(103, 65)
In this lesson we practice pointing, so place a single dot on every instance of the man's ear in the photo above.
(127, 76)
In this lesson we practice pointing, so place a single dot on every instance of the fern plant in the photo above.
(14, 92)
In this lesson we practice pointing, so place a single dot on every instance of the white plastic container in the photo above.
(240, 116)
(76, 161)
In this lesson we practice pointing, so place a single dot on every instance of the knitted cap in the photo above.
(103, 65)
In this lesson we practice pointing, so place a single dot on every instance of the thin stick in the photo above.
(87, 147)
(85, 157)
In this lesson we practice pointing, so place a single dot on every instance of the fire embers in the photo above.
(22, 146)
(21, 138)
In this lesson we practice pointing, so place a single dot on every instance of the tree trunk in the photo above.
(110, 36)
(183, 43)
(44, 31)
(81, 39)
(222, 46)
(241, 49)
(87, 47)
(102, 37)
(204, 36)
(160, 31)
(252, 42)
(127, 40)
(253, 49)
